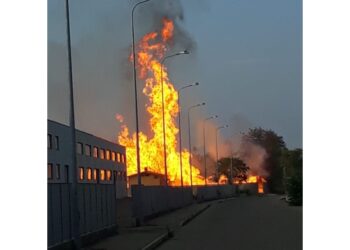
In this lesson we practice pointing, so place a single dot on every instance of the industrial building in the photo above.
(101, 182)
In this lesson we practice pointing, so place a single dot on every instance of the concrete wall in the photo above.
(149, 201)
(251, 188)
(205, 193)
(97, 209)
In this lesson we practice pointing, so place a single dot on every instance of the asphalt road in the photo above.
(244, 223)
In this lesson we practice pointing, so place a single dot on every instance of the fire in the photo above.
(151, 49)
(255, 179)
(223, 179)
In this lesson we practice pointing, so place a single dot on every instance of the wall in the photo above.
(97, 208)
(149, 201)
(205, 193)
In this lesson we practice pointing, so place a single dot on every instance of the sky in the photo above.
(246, 55)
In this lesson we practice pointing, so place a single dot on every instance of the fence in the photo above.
(97, 209)
(205, 193)
(149, 201)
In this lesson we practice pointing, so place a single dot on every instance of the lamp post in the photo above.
(179, 118)
(217, 153)
(189, 136)
(73, 168)
(135, 87)
(185, 52)
(205, 160)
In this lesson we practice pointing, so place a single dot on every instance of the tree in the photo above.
(239, 169)
(292, 162)
(274, 145)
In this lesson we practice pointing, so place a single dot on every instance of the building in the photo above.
(148, 178)
(101, 183)
(98, 160)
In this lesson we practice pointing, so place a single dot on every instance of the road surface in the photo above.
(244, 223)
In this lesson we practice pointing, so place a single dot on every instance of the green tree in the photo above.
(274, 145)
(292, 162)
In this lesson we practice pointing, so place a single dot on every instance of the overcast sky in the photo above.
(247, 56)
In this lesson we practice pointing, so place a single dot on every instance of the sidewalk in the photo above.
(155, 230)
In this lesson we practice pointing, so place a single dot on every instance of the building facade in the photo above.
(98, 161)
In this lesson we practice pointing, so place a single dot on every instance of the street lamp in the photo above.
(73, 168)
(205, 160)
(217, 153)
(185, 52)
(179, 117)
(135, 87)
(189, 135)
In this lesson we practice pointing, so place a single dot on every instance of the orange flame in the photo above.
(255, 179)
(151, 50)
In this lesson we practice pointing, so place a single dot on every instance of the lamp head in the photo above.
(203, 104)
(196, 84)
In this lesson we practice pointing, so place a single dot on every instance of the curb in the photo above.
(170, 232)
(159, 240)
(194, 215)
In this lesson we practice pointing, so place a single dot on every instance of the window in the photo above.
(89, 174)
(113, 156)
(102, 174)
(79, 148)
(124, 175)
(87, 150)
(118, 157)
(57, 143)
(95, 174)
(102, 153)
(81, 173)
(109, 175)
(49, 141)
(58, 171)
(49, 171)
(95, 152)
(123, 158)
(108, 154)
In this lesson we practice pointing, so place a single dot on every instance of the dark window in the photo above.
(102, 153)
(89, 174)
(113, 156)
(57, 143)
(87, 150)
(95, 152)
(95, 174)
(49, 141)
(49, 171)
(109, 175)
(81, 173)
(102, 174)
(108, 154)
(79, 148)
(58, 171)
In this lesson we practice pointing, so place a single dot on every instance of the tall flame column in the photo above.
(135, 87)
(185, 52)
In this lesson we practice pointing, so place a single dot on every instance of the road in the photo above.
(244, 223)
